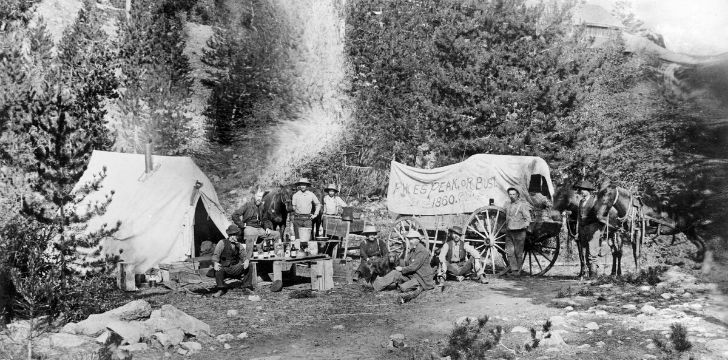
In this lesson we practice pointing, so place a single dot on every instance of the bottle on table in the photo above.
(255, 251)
(294, 251)
(287, 250)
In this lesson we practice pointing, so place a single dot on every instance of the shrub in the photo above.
(470, 340)
(679, 337)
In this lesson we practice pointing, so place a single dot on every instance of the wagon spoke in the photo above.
(478, 232)
(538, 262)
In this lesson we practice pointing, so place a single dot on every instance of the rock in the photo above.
(592, 326)
(666, 296)
(569, 308)
(156, 314)
(225, 338)
(131, 331)
(109, 337)
(648, 356)
(187, 323)
(558, 321)
(610, 332)
(181, 351)
(629, 306)
(243, 335)
(171, 337)
(572, 314)
(232, 313)
(650, 346)
(648, 310)
(134, 347)
(253, 297)
(338, 327)
(69, 328)
(686, 295)
(190, 346)
(94, 325)
(718, 347)
(397, 340)
(601, 313)
(62, 340)
(134, 310)
(583, 346)
(695, 306)
(226, 346)
(600, 344)
(65, 346)
(645, 288)
(519, 329)
(552, 340)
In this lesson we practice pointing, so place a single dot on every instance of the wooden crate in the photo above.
(343, 270)
(322, 275)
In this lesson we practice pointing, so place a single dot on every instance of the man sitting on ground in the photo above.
(454, 259)
(230, 261)
(415, 276)
(374, 256)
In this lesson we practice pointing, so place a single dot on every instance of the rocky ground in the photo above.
(589, 320)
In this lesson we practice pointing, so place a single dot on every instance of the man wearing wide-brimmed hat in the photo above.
(414, 273)
(333, 204)
(230, 261)
(454, 259)
(374, 256)
(306, 206)
(590, 229)
(518, 217)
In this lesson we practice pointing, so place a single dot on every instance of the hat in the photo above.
(413, 234)
(303, 180)
(331, 187)
(369, 229)
(586, 185)
(457, 229)
(233, 230)
(514, 189)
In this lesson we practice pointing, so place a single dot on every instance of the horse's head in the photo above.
(566, 199)
(285, 197)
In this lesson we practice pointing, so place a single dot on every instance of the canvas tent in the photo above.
(164, 216)
(466, 186)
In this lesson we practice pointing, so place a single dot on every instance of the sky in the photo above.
(695, 27)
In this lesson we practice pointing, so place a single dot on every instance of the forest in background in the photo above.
(429, 82)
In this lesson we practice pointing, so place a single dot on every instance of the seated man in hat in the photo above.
(454, 259)
(230, 261)
(306, 207)
(414, 273)
(374, 256)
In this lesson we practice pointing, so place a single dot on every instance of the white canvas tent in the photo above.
(163, 216)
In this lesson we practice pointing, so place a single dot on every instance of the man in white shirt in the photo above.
(306, 206)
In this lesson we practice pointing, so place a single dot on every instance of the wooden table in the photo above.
(320, 268)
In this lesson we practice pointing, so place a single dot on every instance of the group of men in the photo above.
(231, 257)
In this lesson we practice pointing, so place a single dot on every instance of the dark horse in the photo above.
(644, 219)
(567, 200)
(277, 205)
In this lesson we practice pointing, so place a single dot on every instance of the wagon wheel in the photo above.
(397, 240)
(539, 254)
(485, 231)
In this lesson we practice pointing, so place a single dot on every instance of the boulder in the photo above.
(253, 297)
(62, 340)
(134, 310)
(569, 308)
(397, 340)
(187, 323)
(171, 337)
(109, 338)
(69, 328)
(592, 326)
(648, 310)
(131, 331)
(629, 306)
(243, 335)
(94, 325)
(338, 327)
(65, 346)
(666, 296)
(191, 346)
(226, 346)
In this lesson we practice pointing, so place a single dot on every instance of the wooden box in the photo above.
(322, 275)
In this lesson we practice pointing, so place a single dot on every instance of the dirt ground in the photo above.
(353, 322)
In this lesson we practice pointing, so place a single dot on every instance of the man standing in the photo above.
(306, 206)
(415, 276)
(333, 204)
(518, 217)
(254, 221)
(454, 258)
(230, 261)
(590, 229)
(374, 256)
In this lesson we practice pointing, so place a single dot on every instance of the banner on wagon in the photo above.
(462, 187)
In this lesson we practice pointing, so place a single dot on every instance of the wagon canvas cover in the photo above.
(462, 187)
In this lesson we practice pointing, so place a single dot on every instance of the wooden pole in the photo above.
(128, 10)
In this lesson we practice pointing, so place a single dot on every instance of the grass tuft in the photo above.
(679, 337)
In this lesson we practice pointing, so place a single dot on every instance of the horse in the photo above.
(641, 218)
(277, 204)
(567, 200)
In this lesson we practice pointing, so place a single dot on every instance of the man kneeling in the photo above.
(415, 276)
(230, 261)
(454, 259)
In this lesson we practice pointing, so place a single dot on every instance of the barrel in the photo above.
(304, 234)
